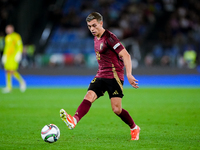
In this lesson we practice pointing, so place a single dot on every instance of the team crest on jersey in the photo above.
(101, 46)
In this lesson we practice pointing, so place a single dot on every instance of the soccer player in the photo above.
(112, 57)
(12, 55)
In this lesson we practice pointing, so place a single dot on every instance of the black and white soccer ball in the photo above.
(50, 133)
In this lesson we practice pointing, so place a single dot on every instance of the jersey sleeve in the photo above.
(114, 43)
(19, 43)
(7, 50)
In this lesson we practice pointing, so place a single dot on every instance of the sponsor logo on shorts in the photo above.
(115, 93)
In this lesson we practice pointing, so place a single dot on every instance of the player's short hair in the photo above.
(10, 25)
(94, 15)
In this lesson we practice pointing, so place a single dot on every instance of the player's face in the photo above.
(9, 29)
(95, 27)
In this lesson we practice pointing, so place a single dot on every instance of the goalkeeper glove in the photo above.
(3, 59)
(18, 57)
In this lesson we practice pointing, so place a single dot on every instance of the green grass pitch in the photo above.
(169, 119)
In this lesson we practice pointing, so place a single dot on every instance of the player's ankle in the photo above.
(134, 127)
(76, 119)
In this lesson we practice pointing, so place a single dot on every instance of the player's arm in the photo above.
(19, 44)
(19, 48)
(128, 65)
(6, 50)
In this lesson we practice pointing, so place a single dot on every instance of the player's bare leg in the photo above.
(20, 80)
(8, 87)
(125, 116)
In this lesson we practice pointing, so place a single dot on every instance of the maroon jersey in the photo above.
(107, 49)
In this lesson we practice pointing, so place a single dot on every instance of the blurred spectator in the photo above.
(28, 59)
(30, 49)
(7, 12)
(148, 60)
(169, 5)
(189, 57)
(127, 19)
(57, 60)
(171, 23)
(182, 26)
(1, 44)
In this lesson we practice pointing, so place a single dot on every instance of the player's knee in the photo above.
(116, 110)
(91, 96)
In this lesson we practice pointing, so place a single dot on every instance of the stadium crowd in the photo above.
(166, 31)
(178, 43)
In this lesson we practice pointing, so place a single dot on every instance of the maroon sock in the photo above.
(82, 109)
(127, 118)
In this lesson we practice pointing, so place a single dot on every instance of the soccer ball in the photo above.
(50, 133)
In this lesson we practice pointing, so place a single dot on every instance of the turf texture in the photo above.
(169, 118)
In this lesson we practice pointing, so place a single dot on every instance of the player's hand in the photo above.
(18, 57)
(133, 81)
(4, 58)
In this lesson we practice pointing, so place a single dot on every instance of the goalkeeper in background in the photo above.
(12, 55)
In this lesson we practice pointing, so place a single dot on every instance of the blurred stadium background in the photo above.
(163, 36)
